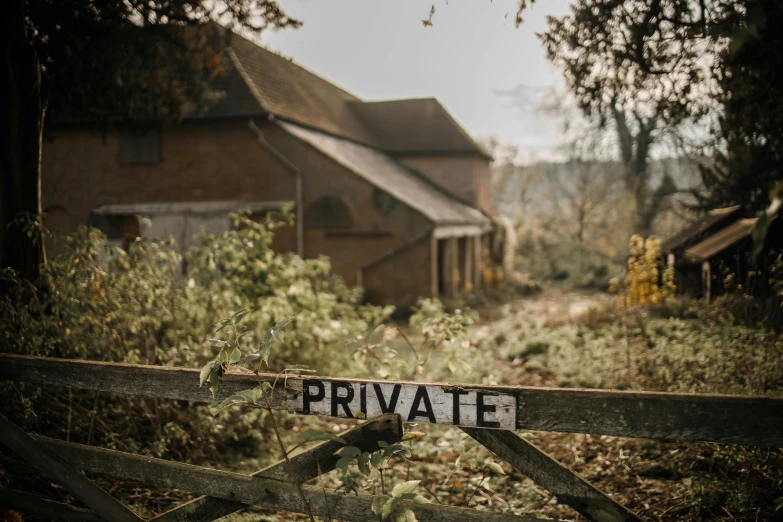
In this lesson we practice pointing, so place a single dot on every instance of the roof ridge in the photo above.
(410, 98)
(461, 128)
(245, 78)
(388, 119)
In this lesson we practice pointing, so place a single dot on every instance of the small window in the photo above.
(328, 212)
(140, 147)
(383, 201)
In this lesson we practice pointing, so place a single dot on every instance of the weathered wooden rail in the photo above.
(489, 414)
(662, 416)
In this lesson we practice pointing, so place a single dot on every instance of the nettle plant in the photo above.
(232, 353)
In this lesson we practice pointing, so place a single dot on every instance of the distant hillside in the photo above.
(523, 191)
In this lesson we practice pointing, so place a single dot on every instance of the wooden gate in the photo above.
(489, 414)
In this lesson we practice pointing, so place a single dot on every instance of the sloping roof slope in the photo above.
(385, 173)
(293, 93)
(720, 241)
(237, 97)
(415, 125)
(259, 81)
(712, 218)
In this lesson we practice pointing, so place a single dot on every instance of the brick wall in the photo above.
(224, 161)
(373, 233)
(200, 162)
(395, 280)
(484, 201)
(466, 177)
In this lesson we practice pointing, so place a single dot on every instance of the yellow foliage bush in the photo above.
(642, 284)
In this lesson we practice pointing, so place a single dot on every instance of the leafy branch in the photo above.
(231, 353)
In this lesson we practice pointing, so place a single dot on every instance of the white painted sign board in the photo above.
(419, 403)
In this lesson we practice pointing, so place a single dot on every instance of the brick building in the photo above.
(395, 192)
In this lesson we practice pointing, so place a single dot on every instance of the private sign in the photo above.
(433, 404)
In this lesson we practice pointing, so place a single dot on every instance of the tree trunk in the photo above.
(21, 247)
(634, 156)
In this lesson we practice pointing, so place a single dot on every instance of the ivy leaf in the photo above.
(494, 466)
(377, 460)
(313, 435)
(251, 362)
(282, 323)
(240, 315)
(388, 507)
(236, 355)
(252, 395)
(363, 461)
(343, 464)
(264, 349)
(405, 487)
(378, 502)
(223, 324)
(234, 399)
(406, 515)
(205, 371)
(218, 342)
(350, 452)
(214, 379)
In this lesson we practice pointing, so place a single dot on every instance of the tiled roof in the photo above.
(721, 240)
(387, 174)
(237, 97)
(258, 81)
(415, 125)
(286, 90)
(690, 232)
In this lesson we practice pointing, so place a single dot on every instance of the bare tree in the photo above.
(626, 137)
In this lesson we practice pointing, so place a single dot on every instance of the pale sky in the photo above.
(380, 49)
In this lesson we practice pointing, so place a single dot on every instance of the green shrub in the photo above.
(139, 306)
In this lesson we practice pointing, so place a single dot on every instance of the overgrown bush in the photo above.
(644, 281)
(142, 306)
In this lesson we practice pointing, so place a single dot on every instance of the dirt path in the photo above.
(553, 303)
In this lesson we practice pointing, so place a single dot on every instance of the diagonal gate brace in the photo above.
(307, 465)
(558, 479)
(54, 467)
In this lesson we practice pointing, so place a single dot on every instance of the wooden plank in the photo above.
(42, 508)
(559, 480)
(665, 416)
(257, 491)
(307, 465)
(54, 467)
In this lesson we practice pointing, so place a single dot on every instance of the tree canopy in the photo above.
(137, 58)
(669, 62)
(125, 59)
(750, 80)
